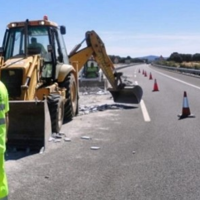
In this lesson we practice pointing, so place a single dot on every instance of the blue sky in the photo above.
(128, 28)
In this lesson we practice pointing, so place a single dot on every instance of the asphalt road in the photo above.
(157, 159)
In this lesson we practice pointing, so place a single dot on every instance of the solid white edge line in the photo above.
(178, 80)
(144, 109)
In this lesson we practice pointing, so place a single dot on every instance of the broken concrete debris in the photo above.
(57, 137)
(66, 139)
(92, 90)
(86, 137)
(89, 106)
(94, 148)
(83, 109)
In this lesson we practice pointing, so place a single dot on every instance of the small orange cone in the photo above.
(185, 110)
(150, 76)
(155, 87)
(139, 71)
(145, 74)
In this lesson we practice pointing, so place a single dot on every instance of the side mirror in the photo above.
(62, 30)
(49, 48)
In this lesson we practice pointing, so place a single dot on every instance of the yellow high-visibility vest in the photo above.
(3, 178)
(4, 108)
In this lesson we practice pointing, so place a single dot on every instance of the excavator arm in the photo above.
(121, 92)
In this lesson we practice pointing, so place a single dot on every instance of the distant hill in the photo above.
(150, 58)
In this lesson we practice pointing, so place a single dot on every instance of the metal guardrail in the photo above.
(126, 65)
(179, 69)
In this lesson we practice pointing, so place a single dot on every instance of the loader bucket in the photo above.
(29, 125)
(129, 94)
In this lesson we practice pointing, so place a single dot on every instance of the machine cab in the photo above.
(42, 37)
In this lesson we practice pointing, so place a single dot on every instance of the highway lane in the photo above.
(169, 147)
(137, 159)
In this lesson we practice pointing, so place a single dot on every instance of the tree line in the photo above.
(179, 57)
(119, 59)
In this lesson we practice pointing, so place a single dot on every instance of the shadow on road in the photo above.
(114, 107)
(18, 154)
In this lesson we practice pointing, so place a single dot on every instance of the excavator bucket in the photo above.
(129, 94)
(29, 125)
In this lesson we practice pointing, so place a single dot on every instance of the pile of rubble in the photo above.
(94, 99)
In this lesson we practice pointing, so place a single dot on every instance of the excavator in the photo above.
(42, 79)
(121, 92)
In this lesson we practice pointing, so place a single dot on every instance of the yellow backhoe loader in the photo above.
(42, 80)
(41, 83)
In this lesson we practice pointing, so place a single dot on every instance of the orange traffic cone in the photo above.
(145, 74)
(150, 76)
(155, 87)
(185, 110)
(139, 71)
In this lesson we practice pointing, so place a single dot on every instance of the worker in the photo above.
(35, 44)
(92, 71)
(4, 108)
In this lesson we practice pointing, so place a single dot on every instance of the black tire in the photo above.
(71, 104)
(56, 110)
(77, 105)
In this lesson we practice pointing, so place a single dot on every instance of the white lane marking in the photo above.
(178, 80)
(135, 74)
(144, 109)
